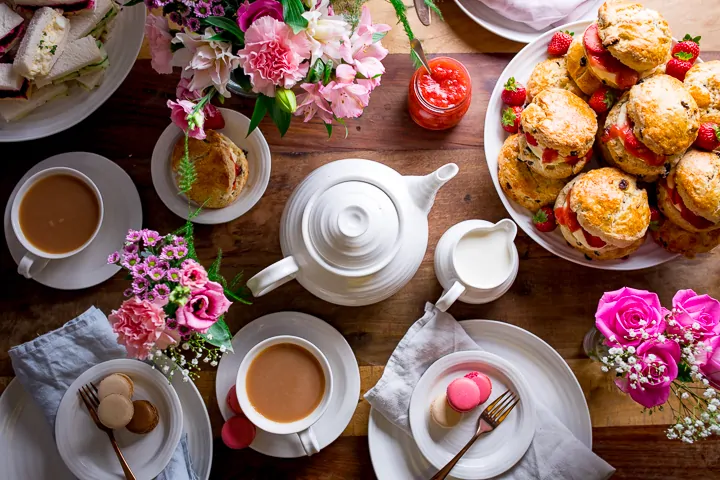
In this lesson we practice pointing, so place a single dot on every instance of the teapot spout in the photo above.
(423, 189)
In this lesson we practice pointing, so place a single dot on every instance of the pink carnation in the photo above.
(140, 326)
(193, 275)
(158, 35)
(274, 55)
(204, 307)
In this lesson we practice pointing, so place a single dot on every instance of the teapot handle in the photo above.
(273, 276)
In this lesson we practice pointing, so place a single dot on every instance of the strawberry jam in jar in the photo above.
(440, 100)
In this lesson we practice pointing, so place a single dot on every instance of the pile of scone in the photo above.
(644, 126)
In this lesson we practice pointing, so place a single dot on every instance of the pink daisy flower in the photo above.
(156, 274)
(173, 275)
(150, 237)
(133, 236)
(113, 258)
(168, 253)
(161, 291)
(139, 285)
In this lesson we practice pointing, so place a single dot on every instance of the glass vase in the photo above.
(236, 88)
(594, 344)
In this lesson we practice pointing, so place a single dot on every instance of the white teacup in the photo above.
(471, 280)
(302, 427)
(35, 259)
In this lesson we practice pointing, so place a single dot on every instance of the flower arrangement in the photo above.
(665, 357)
(175, 307)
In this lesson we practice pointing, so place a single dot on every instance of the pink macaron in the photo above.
(484, 384)
(463, 394)
(238, 432)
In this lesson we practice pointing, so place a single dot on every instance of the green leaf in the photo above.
(292, 15)
(132, 2)
(222, 37)
(328, 127)
(316, 72)
(236, 280)
(258, 114)
(327, 72)
(376, 37)
(431, 5)
(186, 171)
(235, 296)
(684, 373)
(221, 336)
(214, 270)
(280, 117)
(227, 25)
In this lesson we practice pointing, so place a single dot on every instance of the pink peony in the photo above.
(140, 326)
(249, 12)
(274, 56)
(347, 98)
(658, 364)
(312, 103)
(158, 35)
(709, 361)
(179, 112)
(193, 275)
(627, 315)
(204, 307)
(699, 314)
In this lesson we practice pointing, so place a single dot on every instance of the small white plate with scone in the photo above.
(134, 397)
(233, 170)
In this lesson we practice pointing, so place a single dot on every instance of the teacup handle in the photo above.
(273, 276)
(27, 263)
(309, 441)
(449, 296)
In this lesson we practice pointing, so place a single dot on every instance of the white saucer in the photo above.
(86, 450)
(346, 377)
(27, 446)
(123, 211)
(395, 456)
(258, 157)
(489, 19)
(492, 454)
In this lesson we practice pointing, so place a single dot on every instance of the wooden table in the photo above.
(551, 297)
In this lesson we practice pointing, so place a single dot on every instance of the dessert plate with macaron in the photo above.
(447, 402)
(233, 169)
(141, 407)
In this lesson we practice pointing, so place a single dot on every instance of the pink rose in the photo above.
(658, 364)
(179, 112)
(699, 314)
(627, 315)
(274, 56)
(158, 35)
(193, 275)
(249, 12)
(140, 326)
(203, 308)
(709, 361)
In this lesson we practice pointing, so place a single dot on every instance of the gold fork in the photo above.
(491, 417)
(88, 393)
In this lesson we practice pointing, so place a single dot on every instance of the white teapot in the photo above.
(354, 232)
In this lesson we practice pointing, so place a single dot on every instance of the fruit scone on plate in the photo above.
(603, 214)
(677, 240)
(519, 182)
(650, 127)
(690, 196)
(551, 73)
(703, 83)
(627, 43)
(559, 131)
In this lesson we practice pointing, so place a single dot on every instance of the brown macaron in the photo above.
(145, 418)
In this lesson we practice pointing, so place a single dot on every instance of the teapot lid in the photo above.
(352, 228)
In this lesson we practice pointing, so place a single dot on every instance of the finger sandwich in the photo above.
(43, 43)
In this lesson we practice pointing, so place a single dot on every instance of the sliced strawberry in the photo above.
(549, 155)
(591, 40)
(530, 139)
(594, 242)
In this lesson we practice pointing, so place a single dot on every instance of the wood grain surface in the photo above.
(551, 297)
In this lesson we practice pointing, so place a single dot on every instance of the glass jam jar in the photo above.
(439, 101)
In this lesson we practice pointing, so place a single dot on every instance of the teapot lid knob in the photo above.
(352, 228)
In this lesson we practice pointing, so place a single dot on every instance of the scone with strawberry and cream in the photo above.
(650, 127)
(558, 133)
(603, 213)
(690, 196)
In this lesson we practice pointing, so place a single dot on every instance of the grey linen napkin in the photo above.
(554, 454)
(47, 365)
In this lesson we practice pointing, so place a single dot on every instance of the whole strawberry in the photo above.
(655, 218)
(678, 67)
(560, 42)
(513, 93)
(511, 119)
(544, 220)
(688, 49)
(602, 100)
(708, 136)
